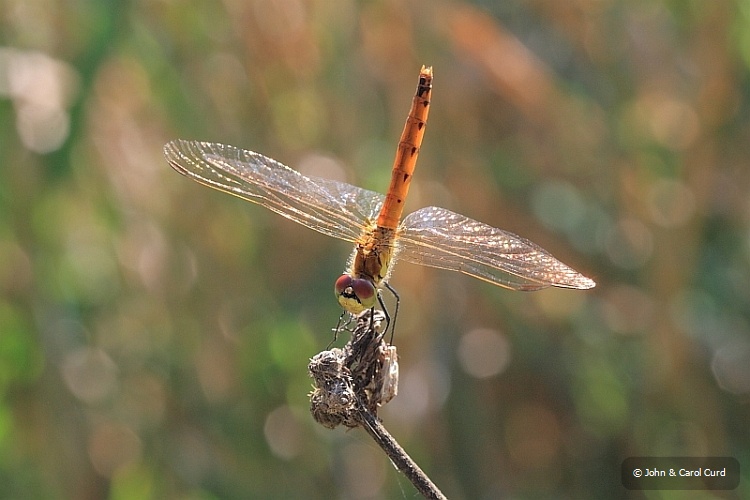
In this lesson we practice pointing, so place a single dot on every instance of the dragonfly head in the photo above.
(355, 294)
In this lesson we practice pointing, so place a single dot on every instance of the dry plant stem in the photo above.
(351, 383)
(398, 456)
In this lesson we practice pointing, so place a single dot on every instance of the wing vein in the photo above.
(437, 237)
(327, 206)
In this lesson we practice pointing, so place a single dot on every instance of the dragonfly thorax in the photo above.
(355, 294)
(373, 254)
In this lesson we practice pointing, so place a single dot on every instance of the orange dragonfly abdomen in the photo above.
(407, 153)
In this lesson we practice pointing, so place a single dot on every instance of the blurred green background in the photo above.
(154, 334)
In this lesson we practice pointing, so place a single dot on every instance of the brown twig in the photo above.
(351, 383)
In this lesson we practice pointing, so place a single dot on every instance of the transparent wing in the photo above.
(437, 237)
(330, 207)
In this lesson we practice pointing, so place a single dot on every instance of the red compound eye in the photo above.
(355, 295)
(364, 290)
(344, 282)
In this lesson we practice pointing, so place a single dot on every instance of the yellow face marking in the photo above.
(355, 294)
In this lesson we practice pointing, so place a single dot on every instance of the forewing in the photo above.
(333, 208)
(437, 237)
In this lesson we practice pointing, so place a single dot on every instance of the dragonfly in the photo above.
(432, 236)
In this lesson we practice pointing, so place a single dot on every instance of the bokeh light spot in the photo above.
(670, 202)
(283, 433)
(42, 89)
(113, 446)
(629, 243)
(484, 353)
(731, 366)
(558, 205)
(90, 374)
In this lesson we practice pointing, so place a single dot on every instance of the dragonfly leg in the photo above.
(342, 324)
(395, 313)
(385, 312)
